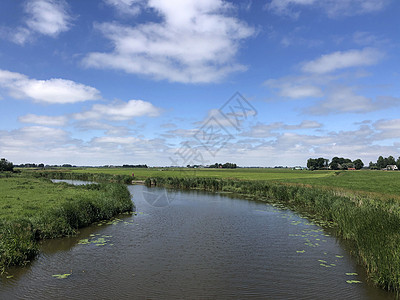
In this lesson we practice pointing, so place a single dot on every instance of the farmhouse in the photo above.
(392, 168)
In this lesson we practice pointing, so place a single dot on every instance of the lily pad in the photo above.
(351, 274)
(353, 281)
(61, 276)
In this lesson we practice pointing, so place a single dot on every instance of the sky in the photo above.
(179, 82)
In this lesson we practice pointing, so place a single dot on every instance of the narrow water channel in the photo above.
(194, 245)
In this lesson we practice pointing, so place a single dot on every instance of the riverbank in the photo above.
(372, 225)
(35, 208)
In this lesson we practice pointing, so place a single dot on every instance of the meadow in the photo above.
(35, 208)
(366, 182)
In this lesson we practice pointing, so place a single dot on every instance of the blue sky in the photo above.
(155, 82)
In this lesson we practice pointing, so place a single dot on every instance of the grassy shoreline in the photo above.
(33, 209)
(372, 225)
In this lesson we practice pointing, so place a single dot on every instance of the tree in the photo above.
(390, 161)
(317, 163)
(373, 166)
(358, 164)
(380, 163)
(398, 163)
(334, 165)
(5, 165)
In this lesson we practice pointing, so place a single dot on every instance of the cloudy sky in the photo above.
(177, 82)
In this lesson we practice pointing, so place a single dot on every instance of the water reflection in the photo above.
(199, 246)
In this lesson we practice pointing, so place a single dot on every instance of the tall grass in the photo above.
(372, 225)
(19, 236)
(97, 177)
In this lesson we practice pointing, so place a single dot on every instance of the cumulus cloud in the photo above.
(340, 60)
(120, 111)
(388, 129)
(261, 130)
(333, 8)
(196, 42)
(44, 120)
(43, 17)
(126, 7)
(346, 100)
(32, 137)
(295, 87)
(55, 90)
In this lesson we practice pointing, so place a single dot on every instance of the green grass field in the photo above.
(240, 173)
(364, 181)
(30, 197)
(35, 208)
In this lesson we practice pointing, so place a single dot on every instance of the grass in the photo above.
(35, 208)
(365, 182)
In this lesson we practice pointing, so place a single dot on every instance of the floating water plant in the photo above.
(353, 281)
(61, 276)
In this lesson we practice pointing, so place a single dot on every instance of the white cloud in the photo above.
(44, 120)
(52, 91)
(32, 137)
(295, 88)
(333, 8)
(346, 100)
(196, 42)
(126, 7)
(388, 129)
(261, 130)
(48, 17)
(44, 17)
(120, 111)
(340, 60)
(306, 124)
(116, 140)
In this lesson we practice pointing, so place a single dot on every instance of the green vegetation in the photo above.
(35, 208)
(363, 205)
(240, 173)
(372, 225)
(6, 166)
(96, 177)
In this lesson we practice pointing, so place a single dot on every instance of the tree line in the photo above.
(337, 163)
(383, 162)
(224, 166)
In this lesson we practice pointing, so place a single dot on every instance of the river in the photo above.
(194, 245)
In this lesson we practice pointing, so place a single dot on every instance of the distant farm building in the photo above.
(392, 168)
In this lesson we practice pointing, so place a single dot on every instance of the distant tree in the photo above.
(398, 163)
(317, 163)
(390, 161)
(380, 164)
(334, 165)
(347, 165)
(358, 164)
(224, 166)
(5, 165)
(340, 163)
(373, 166)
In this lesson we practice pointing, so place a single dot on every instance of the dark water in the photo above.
(200, 246)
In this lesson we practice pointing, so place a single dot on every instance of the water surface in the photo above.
(194, 245)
